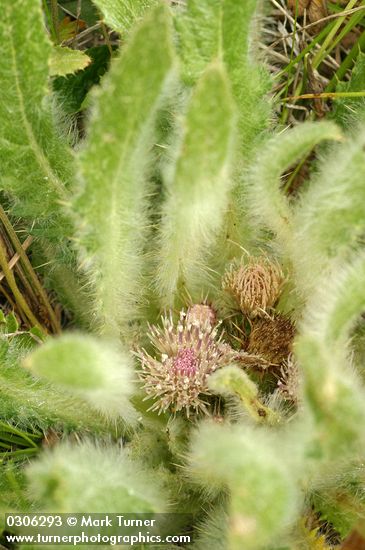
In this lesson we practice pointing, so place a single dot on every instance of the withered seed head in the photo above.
(272, 338)
(187, 353)
(255, 286)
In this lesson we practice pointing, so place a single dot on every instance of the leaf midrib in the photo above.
(34, 145)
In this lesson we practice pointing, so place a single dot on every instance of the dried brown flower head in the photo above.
(316, 9)
(272, 338)
(299, 5)
(255, 286)
(186, 354)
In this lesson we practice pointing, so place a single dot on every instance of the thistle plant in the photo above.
(189, 353)
(206, 362)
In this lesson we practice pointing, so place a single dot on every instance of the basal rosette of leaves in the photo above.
(210, 368)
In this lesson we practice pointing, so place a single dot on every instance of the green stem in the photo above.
(347, 63)
(19, 453)
(288, 184)
(49, 20)
(326, 95)
(13, 439)
(284, 113)
(18, 433)
(54, 14)
(234, 381)
(328, 43)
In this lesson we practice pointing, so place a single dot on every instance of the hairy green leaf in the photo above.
(224, 29)
(333, 388)
(120, 15)
(233, 381)
(347, 111)
(251, 465)
(66, 61)
(211, 29)
(36, 164)
(330, 216)
(337, 305)
(269, 206)
(93, 370)
(78, 469)
(197, 193)
(31, 403)
(72, 90)
(335, 396)
(198, 26)
(112, 206)
(250, 81)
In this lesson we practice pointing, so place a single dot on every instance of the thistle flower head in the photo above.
(186, 354)
(255, 286)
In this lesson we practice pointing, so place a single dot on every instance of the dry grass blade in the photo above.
(21, 287)
(307, 43)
